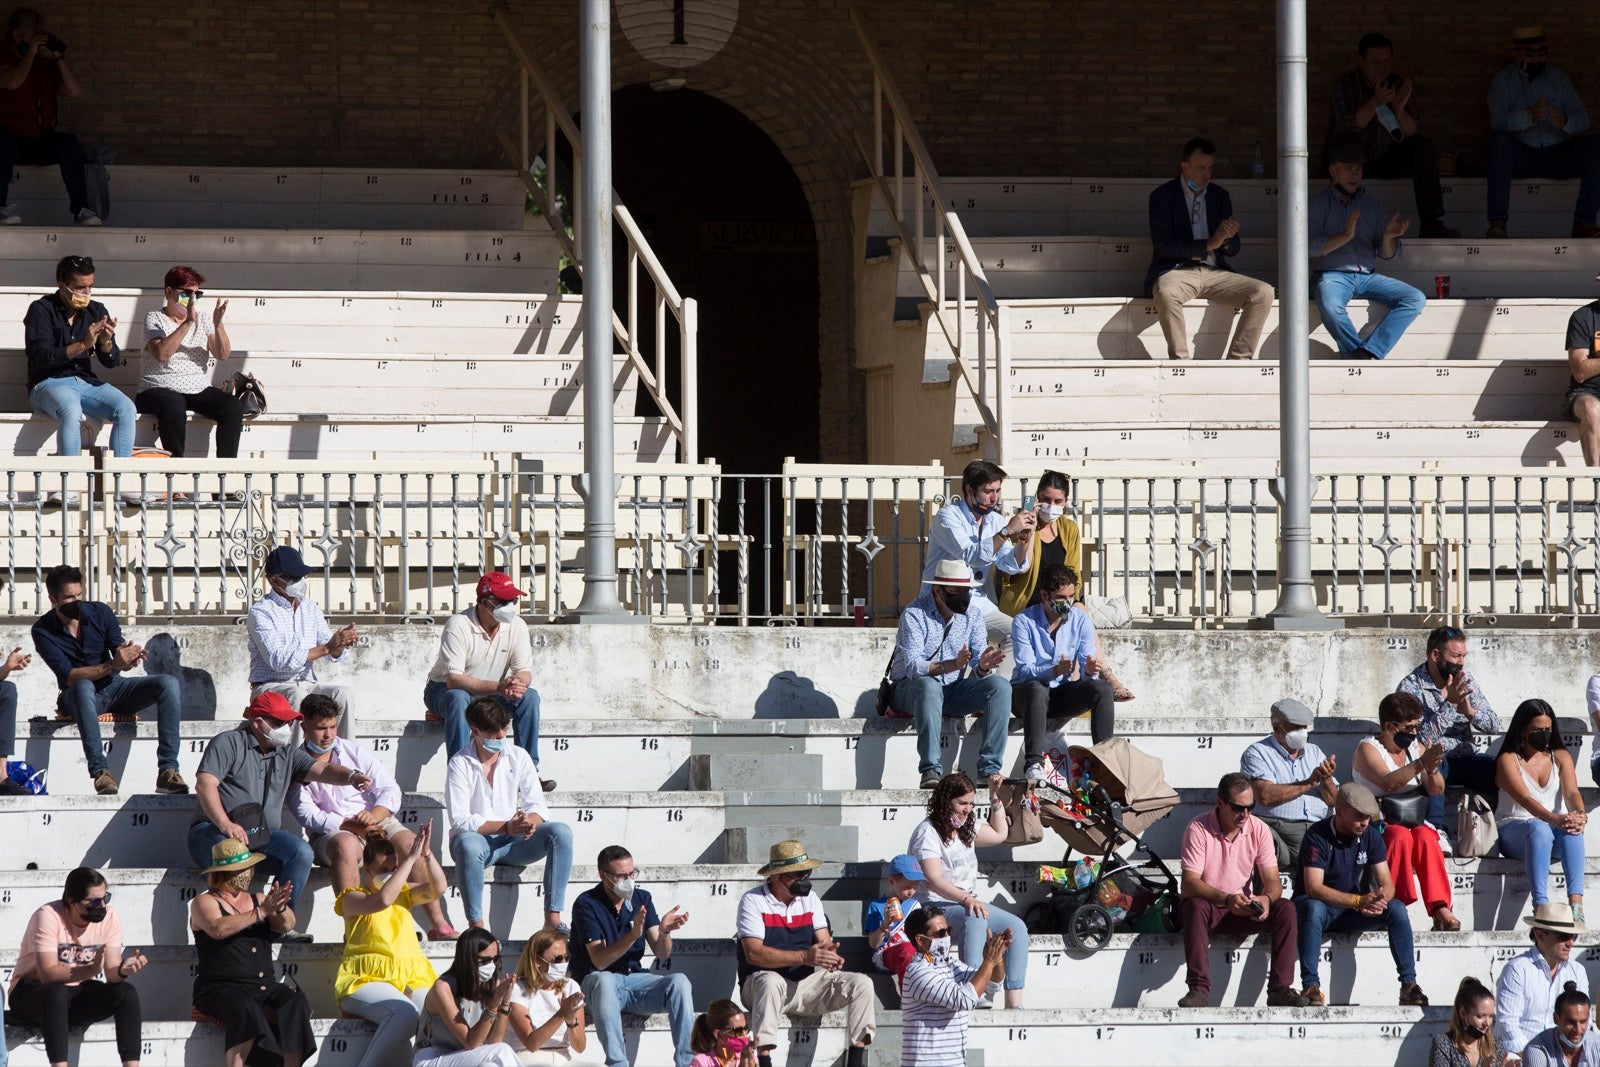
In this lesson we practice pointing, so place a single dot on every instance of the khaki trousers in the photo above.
(1177, 287)
(769, 996)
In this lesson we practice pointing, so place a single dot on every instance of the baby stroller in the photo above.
(1100, 799)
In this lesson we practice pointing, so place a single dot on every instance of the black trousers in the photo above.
(54, 1008)
(1035, 703)
(53, 147)
(1415, 158)
(168, 406)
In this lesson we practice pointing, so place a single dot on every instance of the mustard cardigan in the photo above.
(1013, 591)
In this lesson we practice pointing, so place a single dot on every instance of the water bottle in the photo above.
(1258, 167)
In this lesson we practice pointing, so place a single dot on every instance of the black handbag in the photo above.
(1404, 809)
(246, 389)
(253, 818)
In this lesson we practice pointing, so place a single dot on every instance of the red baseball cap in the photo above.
(272, 706)
(498, 584)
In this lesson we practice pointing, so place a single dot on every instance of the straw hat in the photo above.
(1557, 918)
(952, 572)
(230, 854)
(786, 857)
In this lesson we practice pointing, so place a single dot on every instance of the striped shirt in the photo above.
(790, 927)
(1267, 759)
(935, 1000)
(281, 635)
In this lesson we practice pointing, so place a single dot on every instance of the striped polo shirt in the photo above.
(790, 927)
(936, 999)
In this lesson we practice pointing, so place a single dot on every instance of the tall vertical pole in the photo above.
(1297, 601)
(597, 485)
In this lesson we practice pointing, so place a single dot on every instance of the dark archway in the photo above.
(728, 219)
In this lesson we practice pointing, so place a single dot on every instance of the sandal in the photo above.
(1444, 925)
(1119, 692)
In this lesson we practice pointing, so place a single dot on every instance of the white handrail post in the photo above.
(1002, 374)
(689, 358)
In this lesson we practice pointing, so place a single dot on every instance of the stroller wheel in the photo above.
(1089, 929)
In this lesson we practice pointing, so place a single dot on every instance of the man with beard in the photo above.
(1452, 708)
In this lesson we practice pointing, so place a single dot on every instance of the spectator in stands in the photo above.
(937, 674)
(289, 633)
(1349, 235)
(244, 778)
(342, 822)
(61, 331)
(788, 961)
(1541, 811)
(1292, 778)
(71, 970)
(1453, 707)
(498, 814)
(946, 844)
(1057, 674)
(1591, 696)
(13, 662)
(1536, 123)
(1567, 1043)
(383, 975)
(182, 345)
(971, 530)
(1396, 767)
(1226, 853)
(467, 1013)
(721, 1037)
(1056, 539)
(1529, 984)
(33, 72)
(1344, 886)
(1193, 233)
(1469, 1040)
(82, 644)
(547, 1006)
(264, 1021)
(485, 651)
(1583, 392)
(939, 992)
(1372, 104)
(886, 936)
(611, 924)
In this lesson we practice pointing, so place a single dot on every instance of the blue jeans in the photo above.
(1336, 288)
(84, 704)
(1317, 918)
(288, 854)
(451, 706)
(928, 702)
(970, 935)
(68, 400)
(474, 854)
(608, 996)
(1536, 843)
(1505, 159)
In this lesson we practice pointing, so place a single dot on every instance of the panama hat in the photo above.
(787, 857)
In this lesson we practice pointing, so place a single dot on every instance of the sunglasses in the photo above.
(558, 959)
(1241, 809)
(192, 294)
(89, 902)
(489, 959)
(736, 1030)
(936, 934)
(78, 265)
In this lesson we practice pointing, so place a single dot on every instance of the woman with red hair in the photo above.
(182, 345)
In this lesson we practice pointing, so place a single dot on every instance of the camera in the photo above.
(52, 48)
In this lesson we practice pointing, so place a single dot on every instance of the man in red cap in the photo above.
(244, 777)
(485, 651)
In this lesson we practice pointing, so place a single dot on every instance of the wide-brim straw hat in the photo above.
(786, 857)
(230, 854)
(1555, 917)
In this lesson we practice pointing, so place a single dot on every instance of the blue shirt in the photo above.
(1269, 760)
(1525, 996)
(595, 919)
(1511, 94)
(918, 642)
(281, 635)
(98, 637)
(1546, 1051)
(1359, 255)
(1037, 650)
(959, 534)
(1343, 863)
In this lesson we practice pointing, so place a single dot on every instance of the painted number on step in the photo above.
(890, 814)
(674, 814)
(719, 889)
(1391, 1031)
(649, 744)
(1205, 1033)
(1297, 1033)
(139, 818)
(586, 815)
(1052, 959)
(1104, 1033)
(1016, 1033)
(1203, 742)
(1147, 959)
(802, 1035)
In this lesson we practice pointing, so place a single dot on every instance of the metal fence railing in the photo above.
(812, 544)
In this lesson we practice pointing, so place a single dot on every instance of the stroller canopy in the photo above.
(1133, 779)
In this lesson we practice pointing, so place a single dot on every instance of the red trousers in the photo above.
(1201, 918)
(1415, 857)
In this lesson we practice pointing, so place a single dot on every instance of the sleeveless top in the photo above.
(243, 959)
(1389, 764)
(381, 947)
(1548, 794)
(433, 1033)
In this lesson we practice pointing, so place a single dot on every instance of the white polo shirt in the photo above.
(466, 648)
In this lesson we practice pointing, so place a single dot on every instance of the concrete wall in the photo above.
(671, 672)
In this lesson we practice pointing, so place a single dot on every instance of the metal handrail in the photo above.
(652, 371)
(985, 371)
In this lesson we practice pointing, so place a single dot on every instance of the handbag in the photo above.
(1476, 830)
(253, 818)
(246, 389)
(1023, 825)
(27, 776)
(886, 684)
(1404, 809)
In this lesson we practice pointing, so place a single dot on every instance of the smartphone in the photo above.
(1255, 906)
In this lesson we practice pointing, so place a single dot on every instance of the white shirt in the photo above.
(466, 648)
(188, 371)
(541, 1005)
(1199, 228)
(470, 799)
(1525, 996)
(960, 860)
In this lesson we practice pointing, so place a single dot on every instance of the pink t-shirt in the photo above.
(1227, 866)
(48, 935)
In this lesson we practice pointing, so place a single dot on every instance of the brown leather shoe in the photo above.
(1436, 229)
(1195, 998)
(1311, 997)
(1585, 229)
(1496, 230)
(1412, 996)
(1285, 996)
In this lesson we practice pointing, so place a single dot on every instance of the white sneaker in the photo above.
(9, 216)
(86, 217)
(1445, 848)
(1034, 773)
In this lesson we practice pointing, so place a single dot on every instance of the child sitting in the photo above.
(891, 949)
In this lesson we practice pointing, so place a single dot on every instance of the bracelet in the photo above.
(1355, 900)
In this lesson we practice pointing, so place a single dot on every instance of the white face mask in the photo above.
(486, 971)
(506, 612)
(295, 590)
(556, 971)
(281, 734)
(1051, 512)
(624, 887)
(379, 879)
(1296, 739)
(940, 948)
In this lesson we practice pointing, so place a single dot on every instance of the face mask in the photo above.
(958, 602)
(506, 613)
(1052, 512)
(801, 887)
(1471, 1031)
(957, 821)
(239, 883)
(1193, 188)
(978, 509)
(94, 911)
(71, 611)
(1570, 1044)
(1385, 115)
(623, 887)
(1061, 606)
(77, 301)
(1296, 739)
(281, 734)
(1533, 70)
(486, 971)
(939, 948)
(1449, 670)
(185, 300)
(1405, 740)
(1539, 740)
(556, 971)
(736, 1045)
(317, 749)
(381, 878)
(492, 744)
(295, 590)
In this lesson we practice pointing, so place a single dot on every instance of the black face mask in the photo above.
(94, 911)
(958, 602)
(71, 611)
(1540, 740)
(1449, 670)
(1533, 70)
(1405, 740)
(801, 886)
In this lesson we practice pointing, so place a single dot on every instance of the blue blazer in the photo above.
(1172, 235)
